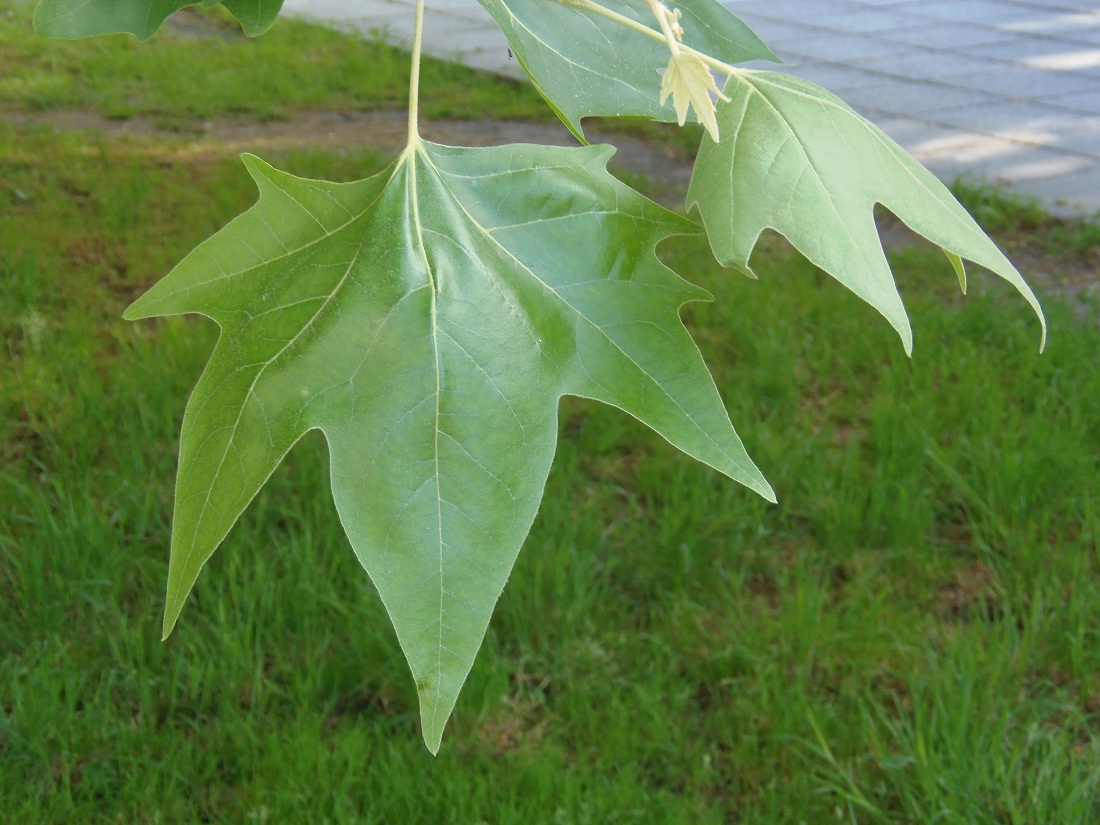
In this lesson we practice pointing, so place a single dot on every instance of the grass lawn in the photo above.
(911, 636)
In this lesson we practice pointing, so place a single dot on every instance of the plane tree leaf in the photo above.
(427, 320)
(797, 159)
(71, 19)
(585, 64)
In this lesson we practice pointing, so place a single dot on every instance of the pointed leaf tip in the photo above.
(172, 609)
(430, 730)
(959, 266)
(768, 493)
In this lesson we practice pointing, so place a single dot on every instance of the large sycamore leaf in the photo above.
(70, 19)
(427, 321)
(585, 64)
(797, 159)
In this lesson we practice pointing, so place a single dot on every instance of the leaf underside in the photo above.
(427, 321)
(586, 65)
(792, 156)
(72, 19)
(797, 159)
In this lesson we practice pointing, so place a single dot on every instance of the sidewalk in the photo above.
(1003, 90)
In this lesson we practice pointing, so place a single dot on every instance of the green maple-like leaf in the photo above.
(797, 159)
(427, 321)
(586, 65)
(70, 19)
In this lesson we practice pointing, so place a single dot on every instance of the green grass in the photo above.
(1005, 211)
(179, 77)
(911, 635)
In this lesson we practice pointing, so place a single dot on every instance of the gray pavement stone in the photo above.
(837, 47)
(865, 21)
(1039, 164)
(773, 31)
(1070, 25)
(831, 76)
(459, 8)
(1088, 102)
(1062, 6)
(914, 97)
(1026, 83)
(978, 11)
(802, 11)
(1021, 116)
(1005, 89)
(1080, 141)
(919, 64)
(1072, 193)
(452, 35)
(1086, 37)
(1048, 53)
(927, 140)
(940, 35)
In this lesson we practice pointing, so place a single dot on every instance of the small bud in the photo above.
(690, 83)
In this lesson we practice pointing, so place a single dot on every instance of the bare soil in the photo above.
(666, 169)
(384, 131)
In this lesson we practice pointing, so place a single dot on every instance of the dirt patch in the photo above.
(385, 131)
(662, 169)
(972, 594)
(522, 721)
(1075, 275)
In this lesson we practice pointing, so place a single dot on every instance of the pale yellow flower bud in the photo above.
(690, 83)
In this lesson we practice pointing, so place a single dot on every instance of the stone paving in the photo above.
(998, 90)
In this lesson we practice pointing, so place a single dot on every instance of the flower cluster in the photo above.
(687, 79)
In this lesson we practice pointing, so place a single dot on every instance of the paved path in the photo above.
(1003, 90)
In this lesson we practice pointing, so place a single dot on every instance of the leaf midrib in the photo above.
(487, 234)
(434, 315)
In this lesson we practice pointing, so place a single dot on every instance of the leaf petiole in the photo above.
(668, 21)
(414, 74)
